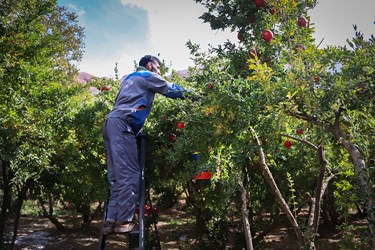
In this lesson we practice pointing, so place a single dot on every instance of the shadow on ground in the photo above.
(175, 231)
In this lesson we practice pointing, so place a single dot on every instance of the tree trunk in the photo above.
(86, 216)
(318, 190)
(314, 216)
(329, 212)
(6, 199)
(280, 199)
(49, 214)
(17, 210)
(363, 176)
(245, 216)
(316, 201)
(200, 220)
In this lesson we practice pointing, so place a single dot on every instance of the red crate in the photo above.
(204, 175)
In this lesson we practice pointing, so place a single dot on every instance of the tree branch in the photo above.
(309, 144)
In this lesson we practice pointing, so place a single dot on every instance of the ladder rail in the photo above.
(103, 237)
(142, 193)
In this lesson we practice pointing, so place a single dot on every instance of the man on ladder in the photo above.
(132, 107)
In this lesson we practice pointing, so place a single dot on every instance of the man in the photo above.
(132, 106)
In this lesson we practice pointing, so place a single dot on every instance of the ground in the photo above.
(174, 229)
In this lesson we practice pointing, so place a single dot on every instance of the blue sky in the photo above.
(122, 31)
(109, 22)
(107, 25)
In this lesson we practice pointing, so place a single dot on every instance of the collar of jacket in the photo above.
(141, 68)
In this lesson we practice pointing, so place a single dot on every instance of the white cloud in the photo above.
(171, 25)
(334, 20)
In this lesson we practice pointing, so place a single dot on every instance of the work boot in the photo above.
(125, 227)
(108, 227)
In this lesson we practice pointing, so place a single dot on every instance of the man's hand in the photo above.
(195, 98)
(191, 95)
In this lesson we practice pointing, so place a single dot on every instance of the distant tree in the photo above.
(38, 43)
(81, 160)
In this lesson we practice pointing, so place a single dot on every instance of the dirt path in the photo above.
(174, 230)
(40, 233)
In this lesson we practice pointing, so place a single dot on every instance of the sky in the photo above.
(122, 31)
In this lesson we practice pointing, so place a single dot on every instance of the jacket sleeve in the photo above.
(159, 85)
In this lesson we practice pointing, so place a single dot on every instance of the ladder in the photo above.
(141, 232)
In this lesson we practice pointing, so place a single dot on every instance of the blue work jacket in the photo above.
(136, 95)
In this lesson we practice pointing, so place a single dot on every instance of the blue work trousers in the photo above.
(123, 169)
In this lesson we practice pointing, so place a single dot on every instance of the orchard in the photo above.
(282, 131)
